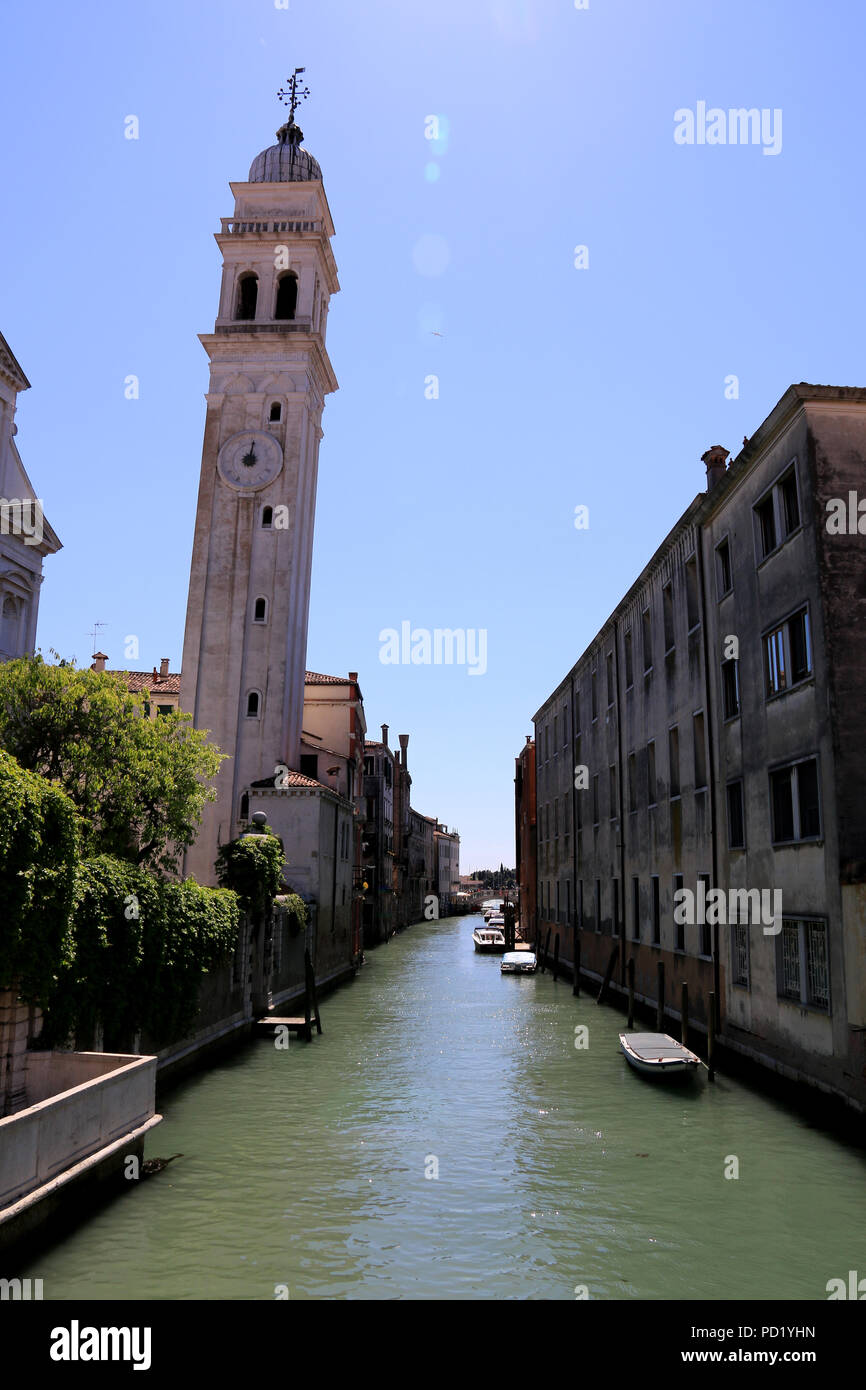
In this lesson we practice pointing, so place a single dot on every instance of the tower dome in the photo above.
(285, 162)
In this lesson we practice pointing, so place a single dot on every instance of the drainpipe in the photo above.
(711, 767)
(622, 811)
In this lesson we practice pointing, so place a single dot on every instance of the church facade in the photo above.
(25, 536)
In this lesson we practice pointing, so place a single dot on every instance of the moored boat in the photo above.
(658, 1054)
(489, 939)
(518, 963)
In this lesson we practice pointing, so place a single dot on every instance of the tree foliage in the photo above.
(38, 853)
(139, 784)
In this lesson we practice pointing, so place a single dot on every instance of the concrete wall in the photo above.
(52, 1135)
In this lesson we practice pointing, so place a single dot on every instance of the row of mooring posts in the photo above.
(660, 994)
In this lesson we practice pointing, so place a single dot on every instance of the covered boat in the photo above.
(518, 963)
(658, 1054)
(489, 939)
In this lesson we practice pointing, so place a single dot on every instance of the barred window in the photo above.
(740, 951)
(791, 960)
(803, 962)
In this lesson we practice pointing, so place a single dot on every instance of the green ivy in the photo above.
(252, 866)
(139, 949)
(38, 852)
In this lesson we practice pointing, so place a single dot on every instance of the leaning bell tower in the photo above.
(245, 642)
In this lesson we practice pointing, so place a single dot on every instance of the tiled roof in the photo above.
(295, 779)
(314, 678)
(146, 680)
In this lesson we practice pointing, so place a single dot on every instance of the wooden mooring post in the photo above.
(311, 1002)
(684, 1013)
(544, 951)
(630, 973)
(660, 997)
(607, 974)
(575, 984)
(556, 958)
(711, 1035)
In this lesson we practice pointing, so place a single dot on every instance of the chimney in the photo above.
(715, 458)
(163, 667)
(528, 739)
(404, 744)
(385, 734)
(353, 676)
(99, 660)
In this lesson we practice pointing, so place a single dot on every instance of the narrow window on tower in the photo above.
(253, 701)
(248, 293)
(245, 807)
(260, 614)
(276, 412)
(267, 518)
(287, 296)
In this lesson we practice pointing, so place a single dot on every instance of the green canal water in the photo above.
(557, 1167)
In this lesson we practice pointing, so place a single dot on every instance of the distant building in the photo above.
(525, 837)
(160, 689)
(380, 894)
(447, 844)
(25, 536)
(422, 863)
(709, 740)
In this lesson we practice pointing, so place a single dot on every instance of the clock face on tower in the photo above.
(250, 460)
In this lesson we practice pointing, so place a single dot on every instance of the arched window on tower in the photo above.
(260, 612)
(253, 704)
(10, 615)
(267, 518)
(276, 411)
(245, 807)
(248, 293)
(287, 296)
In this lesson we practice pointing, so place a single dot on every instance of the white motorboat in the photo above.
(658, 1054)
(518, 963)
(489, 938)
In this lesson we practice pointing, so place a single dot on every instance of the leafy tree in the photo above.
(252, 866)
(139, 784)
(38, 852)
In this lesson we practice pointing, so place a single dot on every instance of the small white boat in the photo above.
(489, 939)
(658, 1054)
(518, 963)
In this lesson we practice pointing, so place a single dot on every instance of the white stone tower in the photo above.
(245, 643)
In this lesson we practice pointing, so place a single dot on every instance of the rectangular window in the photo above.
(577, 712)
(740, 953)
(765, 520)
(580, 903)
(611, 779)
(731, 688)
(651, 773)
(556, 818)
(705, 931)
(595, 799)
(788, 654)
(679, 927)
(629, 661)
(736, 816)
(555, 734)
(594, 681)
(674, 760)
(635, 909)
(647, 634)
(803, 964)
(632, 782)
(657, 914)
(700, 750)
(614, 906)
(795, 802)
(369, 767)
(692, 608)
(598, 904)
(724, 579)
(310, 765)
(668, 607)
(610, 689)
(790, 505)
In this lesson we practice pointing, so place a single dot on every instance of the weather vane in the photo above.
(295, 94)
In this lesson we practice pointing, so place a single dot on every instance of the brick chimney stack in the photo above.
(404, 744)
(99, 660)
(385, 734)
(163, 667)
(715, 459)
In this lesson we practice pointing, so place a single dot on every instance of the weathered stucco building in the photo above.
(708, 739)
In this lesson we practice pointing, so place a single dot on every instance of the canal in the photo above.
(558, 1168)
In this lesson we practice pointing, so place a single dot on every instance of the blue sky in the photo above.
(558, 386)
